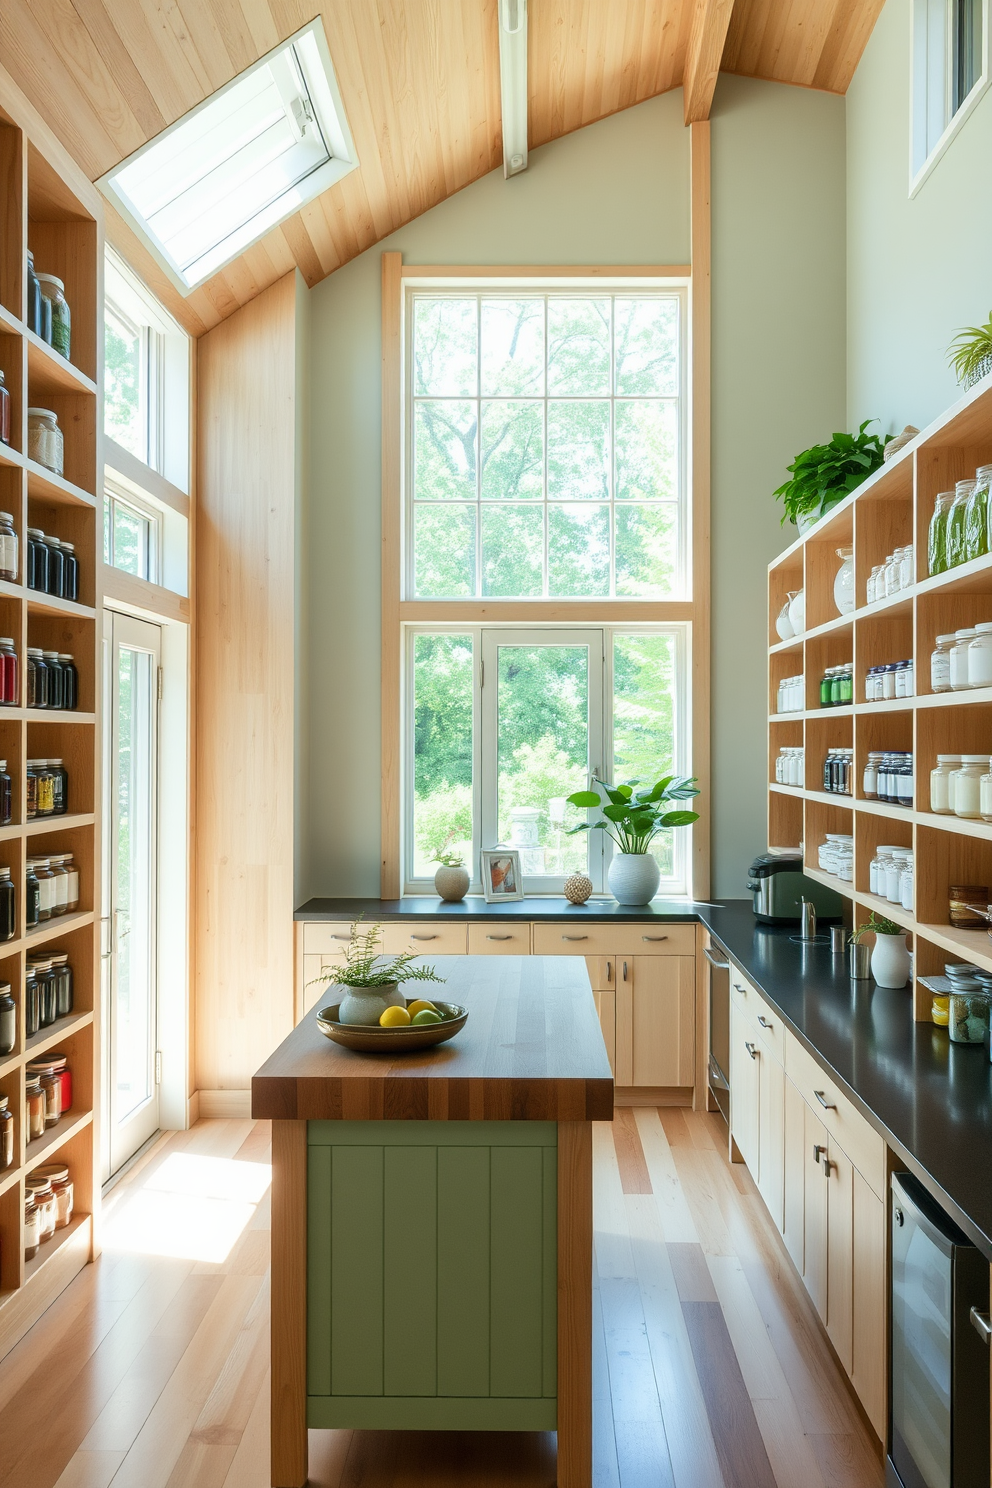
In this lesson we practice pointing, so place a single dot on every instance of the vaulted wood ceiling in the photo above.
(420, 84)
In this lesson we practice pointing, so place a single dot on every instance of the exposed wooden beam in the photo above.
(710, 23)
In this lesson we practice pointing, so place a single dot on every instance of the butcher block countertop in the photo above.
(531, 1050)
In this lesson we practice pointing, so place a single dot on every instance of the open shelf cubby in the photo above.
(891, 509)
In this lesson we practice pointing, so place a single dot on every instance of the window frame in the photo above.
(118, 496)
(925, 69)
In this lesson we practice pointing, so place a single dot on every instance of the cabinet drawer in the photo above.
(323, 938)
(842, 1121)
(571, 939)
(499, 940)
(430, 938)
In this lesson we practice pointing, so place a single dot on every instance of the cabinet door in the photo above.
(655, 1019)
(795, 1174)
(840, 1255)
(868, 1373)
(771, 1134)
(606, 1007)
(744, 1058)
(815, 1182)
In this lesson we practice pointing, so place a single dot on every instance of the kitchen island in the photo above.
(432, 1219)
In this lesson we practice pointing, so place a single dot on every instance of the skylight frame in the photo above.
(321, 82)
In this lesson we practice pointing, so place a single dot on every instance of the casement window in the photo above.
(950, 74)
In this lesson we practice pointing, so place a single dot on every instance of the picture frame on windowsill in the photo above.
(501, 877)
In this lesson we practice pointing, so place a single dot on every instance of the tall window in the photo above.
(950, 72)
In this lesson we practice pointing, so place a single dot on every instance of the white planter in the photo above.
(451, 883)
(890, 960)
(633, 878)
(366, 1005)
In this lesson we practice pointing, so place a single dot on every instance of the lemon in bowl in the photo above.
(395, 1017)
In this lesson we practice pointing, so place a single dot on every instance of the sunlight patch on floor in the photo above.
(191, 1208)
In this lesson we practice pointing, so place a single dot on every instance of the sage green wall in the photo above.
(615, 192)
(918, 268)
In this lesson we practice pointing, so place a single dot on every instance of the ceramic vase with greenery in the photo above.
(825, 473)
(370, 983)
(970, 353)
(634, 818)
(890, 955)
(451, 879)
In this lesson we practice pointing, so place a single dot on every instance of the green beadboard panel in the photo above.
(516, 1272)
(410, 1278)
(326, 1412)
(550, 1285)
(356, 1271)
(463, 1270)
(318, 1269)
(434, 1133)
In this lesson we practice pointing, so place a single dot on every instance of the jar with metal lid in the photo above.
(60, 1066)
(73, 890)
(41, 1191)
(979, 659)
(968, 1012)
(37, 564)
(41, 969)
(8, 548)
(906, 882)
(968, 786)
(959, 658)
(45, 439)
(6, 1134)
(34, 1108)
(61, 880)
(4, 411)
(905, 685)
(63, 983)
(32, 1228)
(56, 567)
(46, 888)
(44, 1071)
(70, 681)
(54, 291)
(34, 297)
(37, 678)
(32, 1003)
(8, 1020)
(940, 784)
(6, 796)
(54, 678)
(8, 907)
(58, 1176)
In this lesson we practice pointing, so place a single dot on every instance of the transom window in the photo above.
(546, 445)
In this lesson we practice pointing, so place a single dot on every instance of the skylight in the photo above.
(253, 153)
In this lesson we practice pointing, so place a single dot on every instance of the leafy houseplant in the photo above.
(633, 818)
(890, 957)
(826, 473)
(970, 353)
(373, 984)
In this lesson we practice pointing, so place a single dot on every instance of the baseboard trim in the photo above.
(652, 1095)
(193, 1109)
(224, 1105)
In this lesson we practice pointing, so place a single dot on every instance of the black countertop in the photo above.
(931, 1100)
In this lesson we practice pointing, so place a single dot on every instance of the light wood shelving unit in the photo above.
(47, 207)
(890, 509)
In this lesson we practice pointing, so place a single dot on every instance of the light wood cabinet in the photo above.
(815, 1211)
(771, 1133)
(744, 1058)
(499, 940)
(606, 1007)
(794, 1176)
(868, 1367)
(840, 1254)
(655, 1020)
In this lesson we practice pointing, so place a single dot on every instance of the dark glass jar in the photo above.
(56, 568)
(46, 789)
(8, 914)
(63, 983)
(6, 796)
(8, 1020)
(32, 1004)
(8, 546)
(37, 678)
(32, 896)
(44, 1070)
(45, 319)
(34, 297)
(73, 887)
(6, 1134)
(54, 678)
(31, 781)
(46, 888)
(10, 694)
(4, 411)
(71, 571)
(37, 564)
(60, 787)
(47, 984)
(60, 1066)
(70, 681)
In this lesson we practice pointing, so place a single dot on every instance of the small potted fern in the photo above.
(970, 353)
(371, 985)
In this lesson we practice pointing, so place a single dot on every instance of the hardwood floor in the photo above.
(710, 1368)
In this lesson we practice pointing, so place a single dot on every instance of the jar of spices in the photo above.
(58, 1176)
(45, 439)
(60, 1067)
(9, 688)
(44, 788)
(32, 1003)
(6, 796)
(46, 888)
(34, 1108)
(32, 1228)
(980, 656)
(71, 590)
(959, 658)
(8, 548)
(966, 905)
(61, 880)
(63, 983)
(6, 1134)
(37, 564)
(968, 1010)
(56, 567)
(968, 786)
(37, 678)
(50, 1080)
(70, 681)
(941, 781)
(34, 297)
(54, 291)
(8, 1020)
(72, 873)
(44, 976)
(40, 1189)
(8, 909)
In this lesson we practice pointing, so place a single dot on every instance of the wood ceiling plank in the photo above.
(801, 44)
(120, 64)
(852, 25)
(235, 31)
(201, 24)
(170, 45)
(162, 66)
(702, 64)
(261, 26)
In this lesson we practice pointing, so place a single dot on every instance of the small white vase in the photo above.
(451, 883)
(633, 878)
(797, 611)
(844, 582)
(890, 960)
(783, 625)
(365, 1005)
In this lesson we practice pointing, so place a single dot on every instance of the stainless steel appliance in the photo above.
(939, 1354)
(778, 886)
(719, 1060)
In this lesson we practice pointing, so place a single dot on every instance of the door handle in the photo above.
(751, 1049)
(499, 937)
(422, 937)
(982, 1324)
(609, 971)
(715, 961)
(765, 1022)
(654, 937)
(827, 1105)
(625, 971)
(818, 1151)
(575, 937)
(740, 989)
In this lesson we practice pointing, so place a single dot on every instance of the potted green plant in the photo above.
(825, 473)
(890, 956)
(633, 818)
(371, 984)
(970, 353)
(451, 879)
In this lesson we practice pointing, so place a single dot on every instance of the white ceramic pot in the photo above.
(783, 625)
(797, 612)
(890, 960)
(633, 878)
(844, 582)
(366, 1005)
(451, 883)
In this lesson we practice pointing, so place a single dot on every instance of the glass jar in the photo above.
(50, 1080)
(63, 983)
(40, 1189)
(34, 1109)
(8, 908)
(58, 1176)
(940, 1010)
(979, 661)
(56, 567)
(4, 411)
(44, 787)
(940, 664)
(893, 873)
(869, 780)
(60, 786)
(61, 879)
(825, 682)
(70, 681)
(876, 584)
(905, 781)
(844, 582)
(985, 795)
(54, 291)
(45, 439)
(34, 297)
(46, 888)
(959, 658)
(976, 519)
(967, 905)
(906, 882)
(878, 870)
(37, 678)
(891, 575)
(940, 784)
(73, 875)
(6, 1134)
(8, 1020)
(955, 523)
(968, 1012)
(71, 571)
(968, 786)
(32, 1228)
(888, 681)
(8, 548)
(9, 681)
(37, 564)
(41, 969)
(55, 680)
(60, 1068)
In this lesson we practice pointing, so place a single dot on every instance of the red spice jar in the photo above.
(60, 1066)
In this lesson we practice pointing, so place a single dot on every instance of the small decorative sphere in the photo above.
(578, 888)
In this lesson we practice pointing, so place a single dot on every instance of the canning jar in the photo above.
(63, 983)
(70, 681)
(906, 882)
(968, 1010)
(904, 679)
(976, 530)
(941, 778)
(876, 584)
(58, 1176)
(61, 335)
(45, 439)
(8, 1020)
(61, 881)
(54, 678)
(40, 968)
(73, 875)
(6, 1134)
(71, 571)
(32, 1007)
(4, 411)
(44, 1071)
(62, 1072)
(8, 548)
(37, 678)
(37, 564)
(869, 780)
(893, 873)
(959, 658)
(8, 912)
(46, 888)
(980, 656)
(32, 1228)
(966, 906)
(34, 1108)
(955, 523)
(967, 785)
(56, 567)
(878, 869)
(34, 297)
(45, 787)
(40, 1189)
(9, 682)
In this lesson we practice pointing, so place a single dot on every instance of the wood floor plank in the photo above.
(250, 1466)
(642, 1445)
(630, 1155)
(739, 1444)
(675, 1214)
(605, 1466)
(692, 1276)
(847, 1461)
(676, 1130)
(91, 1470)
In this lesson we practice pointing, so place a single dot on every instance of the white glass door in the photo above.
(132, 656)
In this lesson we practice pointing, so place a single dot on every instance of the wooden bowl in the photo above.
(370, 1040)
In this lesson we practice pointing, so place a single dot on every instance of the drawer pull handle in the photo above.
(765, 1022)
(654, 937)
(335, 936)
(982, 1324)
(827, 1105)
(740, 989)
(499, 937)
(625, 971)
(818, 1152)
(422, 937)
(715, 961)
(575, 937)
(751, 1049)
(609, 971)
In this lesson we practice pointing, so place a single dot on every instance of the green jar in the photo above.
(937, 543)
(956, 550)
(976, 516)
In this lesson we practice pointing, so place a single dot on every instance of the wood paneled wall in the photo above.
(248, 479)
